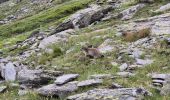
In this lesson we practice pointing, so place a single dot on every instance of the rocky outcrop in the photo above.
(83, 18)
(158, 25)
(125, 14)
(130, 12)
(109, 94)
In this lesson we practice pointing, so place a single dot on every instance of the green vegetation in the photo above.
(43, 18)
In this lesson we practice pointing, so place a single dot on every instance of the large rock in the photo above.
(109, 94)
(83, 18)
(123, 67)
(65, 78)
(8, 72)
(35, 78)
(56, 38)
(59, 91)
(130, 12)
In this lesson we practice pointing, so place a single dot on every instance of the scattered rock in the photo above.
(90, 82)
(65, 78)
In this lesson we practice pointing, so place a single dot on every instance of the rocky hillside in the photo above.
(84, 50)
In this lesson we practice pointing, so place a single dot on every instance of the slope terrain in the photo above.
(85, 50)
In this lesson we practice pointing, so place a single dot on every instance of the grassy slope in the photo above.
(43, 18)
(53, 15)
(87, 67)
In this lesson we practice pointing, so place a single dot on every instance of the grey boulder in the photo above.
(59, 91)
(65, 78)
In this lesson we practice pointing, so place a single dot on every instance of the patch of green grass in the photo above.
(43, 18)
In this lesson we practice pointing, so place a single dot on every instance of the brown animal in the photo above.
(135, 35)
(92, 52)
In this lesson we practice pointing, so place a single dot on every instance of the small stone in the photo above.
(123, 67)
(89, 82)
(65, 78)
